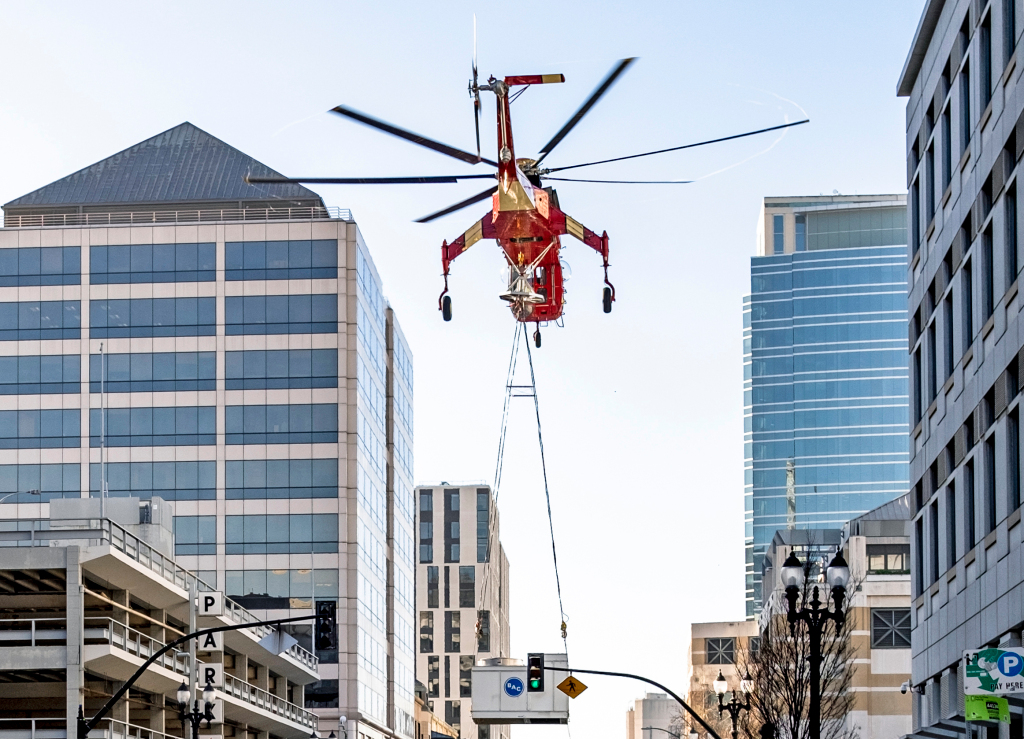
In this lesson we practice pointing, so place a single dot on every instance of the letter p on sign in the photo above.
(211, 604)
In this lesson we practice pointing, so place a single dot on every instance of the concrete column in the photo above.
(299, 695)
(280, 688)
(75, 612)
(120, 615)
(156, 630)
(262, 678)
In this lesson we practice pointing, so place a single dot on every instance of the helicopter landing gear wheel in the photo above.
(446, 308)
(607, 300)
(536, 338)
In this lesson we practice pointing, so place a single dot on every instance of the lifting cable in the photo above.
(547, 493)
(526, 391)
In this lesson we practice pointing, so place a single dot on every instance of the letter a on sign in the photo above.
(210, 642)
(211, 604)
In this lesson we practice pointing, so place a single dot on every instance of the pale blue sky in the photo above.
(642, 408)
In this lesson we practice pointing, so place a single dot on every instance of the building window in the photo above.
(426, 631)
(990, 483)
(1010, 214)
(27, 266)
(281, 260)
(720, 651)
(483, 525)
(467, 586)
(452, 631)
(447, 587)
(947, 325)
(434, 677)
(148, 317)
(168, 480)
(465, 675)
(888, 559)
(918, 385)
(801, 232)
(51, 480)
(933, 516)
(985, 52)
(170, 426)
(261, 479)
(432, 587)
(890, 628)
(971, 507)
(1009, 29)
(281, 369)
(915, 214)
(950, 526)
(987, 281)
(281, 314)
(778, 235)
(195, 535)
(109, 265)
(965, 107)
(451, 525)
(933, 362)
(929, 181)
(37, 375)
(280, 584)
(146, 372)
(427, 534)
(49, 429)
(297, 533)
(483, 634)
(919, 553)
(967, 306)
(281, 424)
(1013, 458)
(753, 646)
(46, 319)
(453, 714)
(947, 148)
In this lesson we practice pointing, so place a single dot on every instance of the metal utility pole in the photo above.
(193, 595)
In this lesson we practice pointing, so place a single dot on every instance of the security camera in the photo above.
(905, 687)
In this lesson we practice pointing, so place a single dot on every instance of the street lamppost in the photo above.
(733, 706)
(195, 716)
(20, 492)
(816, 617)
(672, 734)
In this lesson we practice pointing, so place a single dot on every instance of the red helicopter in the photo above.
(525, 217)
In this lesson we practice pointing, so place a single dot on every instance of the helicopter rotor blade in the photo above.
(475, 92)
(685, 146)
(431, 180)
(621, 182)
(596, 95)
(463, 156)
(459, 206)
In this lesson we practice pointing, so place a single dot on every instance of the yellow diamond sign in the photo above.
(571, 686)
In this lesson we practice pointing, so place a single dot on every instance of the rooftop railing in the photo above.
(162, 217)
(38, 532)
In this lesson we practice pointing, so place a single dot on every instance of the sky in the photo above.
(641, 409)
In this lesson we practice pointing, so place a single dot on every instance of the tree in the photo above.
(781, 670)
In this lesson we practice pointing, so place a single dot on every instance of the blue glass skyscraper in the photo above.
(825, 367)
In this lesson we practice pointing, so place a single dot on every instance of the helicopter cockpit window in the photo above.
(540, 276)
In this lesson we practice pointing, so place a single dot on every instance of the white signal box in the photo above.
(500, 694)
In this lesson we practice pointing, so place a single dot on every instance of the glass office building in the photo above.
(255, 375)
(825, 368)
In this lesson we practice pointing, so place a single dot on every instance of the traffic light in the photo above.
(326, 625)
(535, 673)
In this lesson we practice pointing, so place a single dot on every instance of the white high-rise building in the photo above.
(254, 375)
(462, 598)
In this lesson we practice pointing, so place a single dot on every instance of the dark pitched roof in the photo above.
(181, 165)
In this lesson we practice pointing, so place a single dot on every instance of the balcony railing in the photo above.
(212, 215)
(37, 532)
(117, 634)
(33, 728)
(268, 702)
